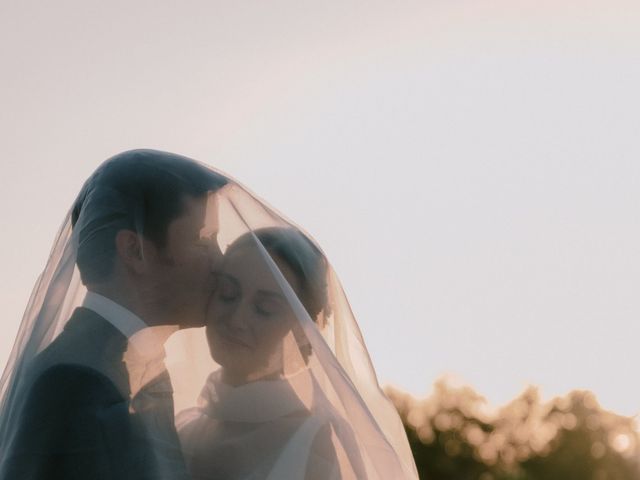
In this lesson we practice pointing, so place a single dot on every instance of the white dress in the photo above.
(267, 430)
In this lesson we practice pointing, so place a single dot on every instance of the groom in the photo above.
(142, 225)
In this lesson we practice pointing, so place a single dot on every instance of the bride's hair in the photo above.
(302, 257)
(138, 190)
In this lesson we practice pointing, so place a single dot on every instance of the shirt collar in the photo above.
(127, 322)
(145, 342)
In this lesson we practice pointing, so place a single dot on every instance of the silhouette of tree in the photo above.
(454, 435)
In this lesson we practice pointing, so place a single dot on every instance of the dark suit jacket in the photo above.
(75, 423)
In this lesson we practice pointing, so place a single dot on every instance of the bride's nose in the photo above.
(240, 318)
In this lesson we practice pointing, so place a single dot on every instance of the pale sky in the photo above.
(471, 168)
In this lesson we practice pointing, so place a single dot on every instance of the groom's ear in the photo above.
(130, 250)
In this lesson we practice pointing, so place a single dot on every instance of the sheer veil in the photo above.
(275, 383)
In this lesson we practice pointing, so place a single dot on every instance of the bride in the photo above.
(260, 414)
(291, 392)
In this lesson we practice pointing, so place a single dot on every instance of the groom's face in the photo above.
(182, 269)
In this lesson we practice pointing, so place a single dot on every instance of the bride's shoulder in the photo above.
(333, 453)
(322, 444)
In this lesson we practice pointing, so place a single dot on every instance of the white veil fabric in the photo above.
(184, 329)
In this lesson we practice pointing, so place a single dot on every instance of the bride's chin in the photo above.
(227, 356)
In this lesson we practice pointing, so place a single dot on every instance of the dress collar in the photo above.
(258, 401)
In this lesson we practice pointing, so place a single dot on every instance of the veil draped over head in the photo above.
(183, 329)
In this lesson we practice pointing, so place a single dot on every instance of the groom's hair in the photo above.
(138, 190)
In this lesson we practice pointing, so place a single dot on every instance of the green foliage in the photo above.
(454, 435)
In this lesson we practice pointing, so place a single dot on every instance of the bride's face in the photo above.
(248, 316)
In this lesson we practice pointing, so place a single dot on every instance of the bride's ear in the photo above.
(130, 250)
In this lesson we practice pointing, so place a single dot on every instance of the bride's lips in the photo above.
(230, 339)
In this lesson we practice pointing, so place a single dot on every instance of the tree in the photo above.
(454, 435)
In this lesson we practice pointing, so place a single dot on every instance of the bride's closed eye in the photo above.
(268, 305)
